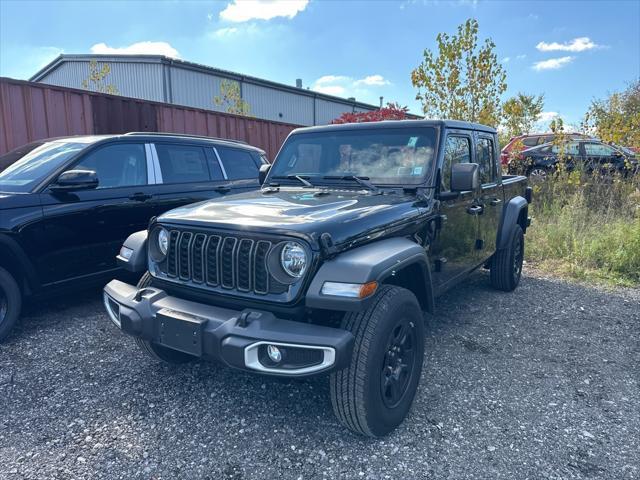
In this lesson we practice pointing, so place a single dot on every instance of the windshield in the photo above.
(394, 156)
(27, 172)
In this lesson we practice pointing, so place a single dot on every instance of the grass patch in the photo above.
(587, 227)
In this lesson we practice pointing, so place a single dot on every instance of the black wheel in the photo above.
(155, 351)
(373, 395)
(10, 303)
(538, 174)
(506, 264)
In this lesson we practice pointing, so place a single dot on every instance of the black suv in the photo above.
(67, 204)
(329, 267)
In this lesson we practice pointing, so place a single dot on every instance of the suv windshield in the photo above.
(27, 172)
(394, 156)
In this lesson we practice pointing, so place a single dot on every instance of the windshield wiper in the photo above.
(301, 179)
(362, 181)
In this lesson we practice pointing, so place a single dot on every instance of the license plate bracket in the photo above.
(181, 331)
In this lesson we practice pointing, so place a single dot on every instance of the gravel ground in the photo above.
(541, 383)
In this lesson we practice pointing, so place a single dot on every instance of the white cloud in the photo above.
(552, 63)
(245, 10)
(140, 48)
(522, 56)
(342, 85)
(225, 32)
(372, 80)
(579, 44)
(506, 59)
(546, 116)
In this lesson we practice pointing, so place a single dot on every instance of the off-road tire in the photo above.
(506, 264)
(357, 391)
(155, 351)
(10, 303)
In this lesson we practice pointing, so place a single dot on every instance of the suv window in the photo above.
(598, 149)
(486, 160)
(457, 150)
(118, 165)
(530, 141)
(239, 164)
(567, 148)
(182, 163)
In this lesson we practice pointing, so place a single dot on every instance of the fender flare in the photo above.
(137, 261)
(20, 260)
(375, 261)
(510, 217)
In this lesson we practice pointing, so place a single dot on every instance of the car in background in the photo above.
(592, 155)
(67, 204)
(522, 142)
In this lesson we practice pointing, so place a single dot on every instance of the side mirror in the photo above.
(465, 177)
(262, 173)
(73, 180)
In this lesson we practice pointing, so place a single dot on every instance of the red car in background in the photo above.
(527, 141)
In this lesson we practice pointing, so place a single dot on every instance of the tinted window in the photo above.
(36, 165)
(119, 165)
(530, 141)
(182, 163)
(598, 149)
(566, 149)
(395, 156)
(238, 164)
(457, 150)
(486, 160)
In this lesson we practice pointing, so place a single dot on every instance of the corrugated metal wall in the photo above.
(152, 78)
(31, 111)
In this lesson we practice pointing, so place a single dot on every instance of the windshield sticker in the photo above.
(417, 171)
(412, 142)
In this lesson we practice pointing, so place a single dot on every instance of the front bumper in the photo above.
(238, 338)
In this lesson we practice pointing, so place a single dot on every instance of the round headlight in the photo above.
(293, 259)
(163, 241)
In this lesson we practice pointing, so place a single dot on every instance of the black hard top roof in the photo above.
(451, 124)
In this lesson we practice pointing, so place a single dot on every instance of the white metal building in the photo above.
(163, 79)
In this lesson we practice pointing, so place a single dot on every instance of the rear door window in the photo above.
(182, 163)
(238, 164)
(530, 141)
(485, 159)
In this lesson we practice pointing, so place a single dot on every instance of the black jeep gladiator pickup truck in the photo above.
(329, 267)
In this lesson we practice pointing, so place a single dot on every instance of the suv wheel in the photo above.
(10, 303)
(155, 351)
(374, 394)
(506, 264)
(538, 174)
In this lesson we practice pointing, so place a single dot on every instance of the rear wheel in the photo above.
(10, 303)
(155, 351)
(373, 395)
(506, 264)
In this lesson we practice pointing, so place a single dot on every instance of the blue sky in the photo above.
(570, 51)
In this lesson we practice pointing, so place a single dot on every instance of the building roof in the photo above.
(195, 67)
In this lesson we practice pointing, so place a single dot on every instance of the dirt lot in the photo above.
(542, 383)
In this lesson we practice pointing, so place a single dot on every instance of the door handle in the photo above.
(140, 197)
(223, 189)
(495, 201)
(474, 210)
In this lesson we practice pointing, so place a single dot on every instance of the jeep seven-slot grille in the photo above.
(228, 262)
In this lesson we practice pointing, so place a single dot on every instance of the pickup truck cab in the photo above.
(67, 204)
(329, 268)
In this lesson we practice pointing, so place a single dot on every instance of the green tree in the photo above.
(616, 118)
(464, 80)
(519, 113)
(97, 79)
(230, 98)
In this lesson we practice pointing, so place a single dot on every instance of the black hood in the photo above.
(9, 200)
(344, 214)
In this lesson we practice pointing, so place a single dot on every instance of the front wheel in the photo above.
(373, 395)
(10, 303)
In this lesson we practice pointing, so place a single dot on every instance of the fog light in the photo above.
(274, 353)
